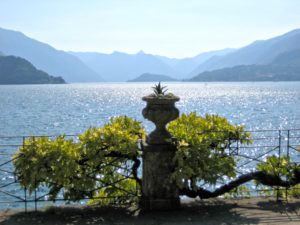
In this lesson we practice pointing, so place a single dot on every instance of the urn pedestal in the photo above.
(159, 192)
(160, 111)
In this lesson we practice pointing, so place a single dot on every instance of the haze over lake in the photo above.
(72, 108)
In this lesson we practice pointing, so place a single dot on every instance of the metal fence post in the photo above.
(279, 157)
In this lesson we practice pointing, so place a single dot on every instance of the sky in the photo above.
(173, 28)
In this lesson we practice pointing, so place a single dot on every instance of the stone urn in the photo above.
(159, 191)
(160, 110)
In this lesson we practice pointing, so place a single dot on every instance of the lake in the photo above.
(72, 108)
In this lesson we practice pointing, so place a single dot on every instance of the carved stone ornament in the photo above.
(160, 110)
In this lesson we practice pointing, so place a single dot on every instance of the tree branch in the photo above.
(134, 169)
(261, 176)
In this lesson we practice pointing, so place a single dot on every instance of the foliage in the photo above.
(240, 192)
(102, 163)
(279, 192)
(99, 159)
(159, 89)
(283, 168)
(295, 191)
(202, 144)
(116, 196)
(278, 166)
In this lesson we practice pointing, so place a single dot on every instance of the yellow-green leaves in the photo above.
(277, 166)
(100, 161)
(280, 167)
(40, 161)
(80, 167)
(124, 192)
(202, 142)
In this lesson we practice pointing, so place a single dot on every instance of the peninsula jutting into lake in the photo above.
(16, 70)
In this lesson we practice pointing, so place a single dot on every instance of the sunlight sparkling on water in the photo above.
(71, 108)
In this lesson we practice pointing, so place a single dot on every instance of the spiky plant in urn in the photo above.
(160, 110)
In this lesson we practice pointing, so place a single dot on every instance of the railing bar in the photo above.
(259, 138)
(259, 146)
(11, 145)
(63, 199)
(76, 135)
(294, 137)
(35, 200)
(11, 195)
(5, 185)
(6, 202)
(25, 199)
(288, 144)
(293, 148)
(30, 136)
(279, 157)
(7, 162)
(6, 171)
(259, 156)
(253, 159)
(20, 155)
(252, 131)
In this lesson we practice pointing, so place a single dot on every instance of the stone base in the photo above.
(160, 203)
(159, 191)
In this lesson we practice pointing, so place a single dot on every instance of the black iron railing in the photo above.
(280, 143)
(265, 143)
(12, 195)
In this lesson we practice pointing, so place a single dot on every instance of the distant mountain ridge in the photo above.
(120, 66)
(16, 70)
(186, 65)
(148, 77)
(285, 67)
(258, 53)
(45, 57)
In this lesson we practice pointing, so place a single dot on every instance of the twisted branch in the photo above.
(260, 176)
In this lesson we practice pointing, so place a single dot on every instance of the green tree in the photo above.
(99, 160)
(104, 161)
(201, 148)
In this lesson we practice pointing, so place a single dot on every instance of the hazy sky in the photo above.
(175, 28)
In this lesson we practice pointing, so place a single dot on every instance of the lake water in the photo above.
(72, 108)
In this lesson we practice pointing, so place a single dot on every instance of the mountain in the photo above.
(120, 66)
(148, 77)
(16, 70)
(258, 53)
(291, 58)
(285, 67)
(187, 65)
(46, 58)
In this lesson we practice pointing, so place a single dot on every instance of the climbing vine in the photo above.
(94, 165)
(201, 148)
(103, 162)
